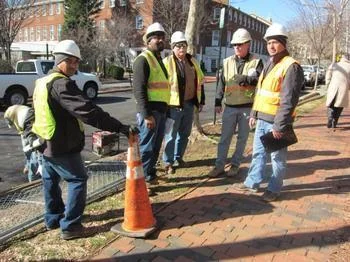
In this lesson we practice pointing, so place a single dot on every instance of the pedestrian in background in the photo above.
(21, 118)
(186, 92)
(236, 87)
(152, 93)
(276, 98)
(338, 84)
(60, 111)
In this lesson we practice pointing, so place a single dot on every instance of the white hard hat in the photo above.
(67, 47)
(275, 30)
(16, 116)
(155, 27)
(178, 37)
(241, 36)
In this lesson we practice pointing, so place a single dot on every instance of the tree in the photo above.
(13, 15)
(79, 25)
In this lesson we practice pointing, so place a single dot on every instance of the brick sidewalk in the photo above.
(216, 222)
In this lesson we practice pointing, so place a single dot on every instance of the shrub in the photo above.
(5, 67)
(115, 72)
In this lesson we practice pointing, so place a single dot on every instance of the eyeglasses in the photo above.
(181, 46)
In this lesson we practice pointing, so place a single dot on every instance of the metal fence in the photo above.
(25, 208)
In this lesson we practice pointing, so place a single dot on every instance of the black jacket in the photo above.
(67, 103)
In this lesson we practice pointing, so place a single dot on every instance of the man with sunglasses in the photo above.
(236, 87)
(60, 111)
(151, 91)
(187, 93)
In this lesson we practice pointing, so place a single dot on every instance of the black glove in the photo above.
(129, 130)
(240, 79)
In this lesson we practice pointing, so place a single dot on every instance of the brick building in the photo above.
(43, 28)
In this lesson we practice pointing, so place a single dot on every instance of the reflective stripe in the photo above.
(170, 65)
(158, 89)
(45, 124)
(267, 97)
(234, 93)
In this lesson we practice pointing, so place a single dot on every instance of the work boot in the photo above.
(179, 163)
(233, 171)
(169, 170)
(242, 187)
(215, 172)
(78, 231)
(269, 196)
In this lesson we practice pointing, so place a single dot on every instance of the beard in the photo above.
(160, 46)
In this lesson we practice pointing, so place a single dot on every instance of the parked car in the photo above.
(16, 88)
(309, 74)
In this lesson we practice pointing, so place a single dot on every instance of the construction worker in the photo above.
(236, 86)
(187, 92)
(277, 95)
(152, 93)
(60, 111)
(21, 118)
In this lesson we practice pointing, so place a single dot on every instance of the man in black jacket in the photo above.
(60, 111)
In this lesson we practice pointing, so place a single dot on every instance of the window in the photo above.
(46, 66)
(26, 34)
(230, 14)
(51, 9)
(228, 38)
(121, 3)
(245, 20)
(38, 33)
(213, 64)
(102, 3)
(59, 32)
(58, 8)
(215, 38)
(240, 18)
(37, 11)
(43, 10)
(32, 34)
(52, 32)
(217, 12)
(44, 32)
(20, 35)
(26, 67)
(139, 1)
(139, 22)
(235, 17)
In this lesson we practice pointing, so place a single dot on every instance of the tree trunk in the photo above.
(190, 33)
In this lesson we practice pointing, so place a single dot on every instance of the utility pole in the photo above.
(221, 26)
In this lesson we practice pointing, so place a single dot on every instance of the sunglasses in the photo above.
(181, 45)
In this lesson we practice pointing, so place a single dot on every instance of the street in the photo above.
(119, 104)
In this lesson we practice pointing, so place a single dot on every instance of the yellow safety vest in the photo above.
(267, 96)
(158, 89)
(45, 124)
(170, 65)
(234, 93)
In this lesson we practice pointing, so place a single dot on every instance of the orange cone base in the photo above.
(142, 233)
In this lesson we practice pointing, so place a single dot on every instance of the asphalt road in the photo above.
(119, 104)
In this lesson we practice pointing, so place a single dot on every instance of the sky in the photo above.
(280, 11)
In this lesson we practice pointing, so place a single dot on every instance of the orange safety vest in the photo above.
(267, 96)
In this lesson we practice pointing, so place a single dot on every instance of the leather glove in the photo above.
(240, 79)
(128, 130)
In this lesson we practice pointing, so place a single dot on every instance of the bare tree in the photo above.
(14, 14)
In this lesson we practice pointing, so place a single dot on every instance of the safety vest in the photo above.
(170, 65)
(234, 93)
(267, 97)
(45, 124)
(158, 89)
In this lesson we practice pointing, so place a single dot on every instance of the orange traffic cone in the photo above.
(138, 216)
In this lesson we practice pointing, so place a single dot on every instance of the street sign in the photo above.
(222, 18)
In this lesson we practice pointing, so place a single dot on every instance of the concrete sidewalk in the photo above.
(216, 222)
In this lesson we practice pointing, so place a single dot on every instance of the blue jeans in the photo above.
(257, 167)
(151, 142)
(71, 168)
(233, 116)
(33, 159)
(176, 140)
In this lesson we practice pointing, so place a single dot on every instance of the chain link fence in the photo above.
(22, 209)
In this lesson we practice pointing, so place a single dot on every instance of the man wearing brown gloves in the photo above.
(60, 111)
